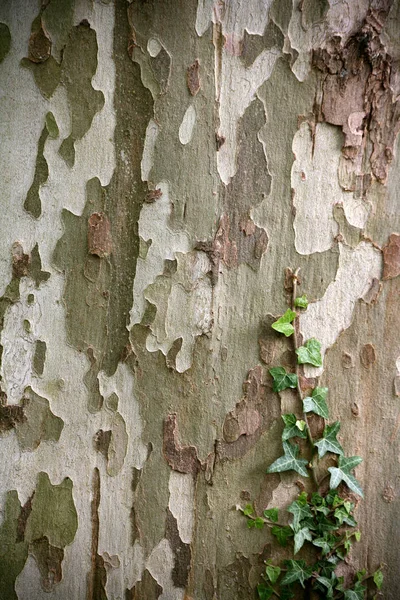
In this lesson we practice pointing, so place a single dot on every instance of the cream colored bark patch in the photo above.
(181, 503)
(332, 314)
(160, 564)
(316, 189)
(153, 47)
(187, 125)
(238, 89)
(154, 227)
(184, 307)
(236, 85)
(147, 162)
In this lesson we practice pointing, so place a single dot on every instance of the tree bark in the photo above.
(164, 163)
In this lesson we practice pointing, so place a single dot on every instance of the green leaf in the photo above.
(282, 534)
(361, 574)
(301, 302)
(248, 510)
(300, 537)
(286, 593)
(259, 523)
(324, 544)
(273, 573)
(342, 473)
(283, 324)
(343, 517)
(282, 380)
(301, 425)
(300, 511)
(297, 570)
(329, 443)
(316, 402)
(327, 583)
(271, 514)
(357, 593)
(378, 579)
(250, 523)
(310, 353)
(357, 535)
(265, 592)
(289, 461)
(292, 428)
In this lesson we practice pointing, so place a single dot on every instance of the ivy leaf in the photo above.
(342, 473)
(300, 510)
(289, 461)
(271, 514)
(259, 523)
(273, 573)
(282, 534)
(282, 380)
(292, 427)
(324, 544)
(310, 353)
(301, 302)
(357, 593)
(357, 535)
(283, 324)
(248, 510)
(329, 443)
(378, 579)
(317, 402)
(327, 583)
(297, 570)
(287, 593)
(265, 592)
(343, 517)
(300, 537)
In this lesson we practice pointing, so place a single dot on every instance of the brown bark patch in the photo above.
(153, 195)
(391, 257)
(99, 235)
(367, 355)
(102, 441)
(246, 419)
(180, 458)
(10, 415)
(182, 552)
(22, 519)
(359, 95)
(97, 578)
(39, 45)
(49, 560)
(253, 415)
(193, 77)
(20, 261)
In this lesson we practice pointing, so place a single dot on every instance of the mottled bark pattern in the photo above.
(165, 169)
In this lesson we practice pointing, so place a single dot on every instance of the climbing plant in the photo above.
(319, 527)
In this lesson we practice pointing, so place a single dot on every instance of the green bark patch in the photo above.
(39, 356)
(39, 424)
(5, 41)
(46, 75)
(245, 240)
(53, 513)
(99, 290)
(57, 18)
(78, 67)
(32, 202)
(13, 551)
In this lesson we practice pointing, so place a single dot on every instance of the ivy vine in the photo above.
(321, 521)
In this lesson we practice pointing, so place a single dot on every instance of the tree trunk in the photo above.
(163, 163)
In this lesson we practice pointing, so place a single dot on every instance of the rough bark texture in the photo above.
(163, 163)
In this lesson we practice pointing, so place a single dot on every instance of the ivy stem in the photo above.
(295, 278)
